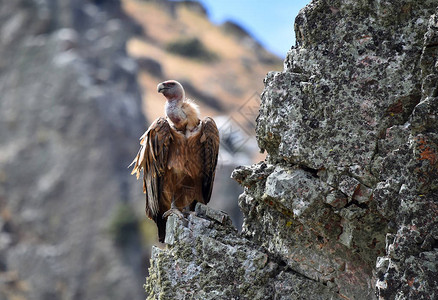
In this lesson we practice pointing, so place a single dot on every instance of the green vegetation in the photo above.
(192, 48)
(124, 224)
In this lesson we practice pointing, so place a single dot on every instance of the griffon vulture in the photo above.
(178, 155)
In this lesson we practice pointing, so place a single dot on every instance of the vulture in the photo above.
(178, 156)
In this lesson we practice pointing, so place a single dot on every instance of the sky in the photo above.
(269, 21)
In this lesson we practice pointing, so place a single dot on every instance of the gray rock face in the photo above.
(348, 195)
(353, 108)
(205, 258)
(69, 111)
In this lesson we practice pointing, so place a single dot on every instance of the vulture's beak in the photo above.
(161, 87)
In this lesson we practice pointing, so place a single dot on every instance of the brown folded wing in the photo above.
(152, 158)
(210, 150)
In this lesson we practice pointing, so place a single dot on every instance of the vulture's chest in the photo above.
(185, 155)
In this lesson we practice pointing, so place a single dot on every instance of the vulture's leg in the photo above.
(173, 210)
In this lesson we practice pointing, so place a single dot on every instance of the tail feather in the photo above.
(161, 225)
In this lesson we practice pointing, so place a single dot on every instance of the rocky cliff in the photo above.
(345, 205)
(70, 116)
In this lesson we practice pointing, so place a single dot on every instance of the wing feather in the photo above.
(210, 140)
(152, 159)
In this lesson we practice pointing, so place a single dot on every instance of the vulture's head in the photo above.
(172, 90)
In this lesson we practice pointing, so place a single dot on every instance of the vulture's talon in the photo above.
(173, 211)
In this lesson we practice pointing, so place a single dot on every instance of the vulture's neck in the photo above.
(183, 114)
(174, 111)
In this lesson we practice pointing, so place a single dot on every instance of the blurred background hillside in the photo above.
(78, 88)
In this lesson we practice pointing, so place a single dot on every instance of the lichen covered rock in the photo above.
(206, 258)
(355, 109)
